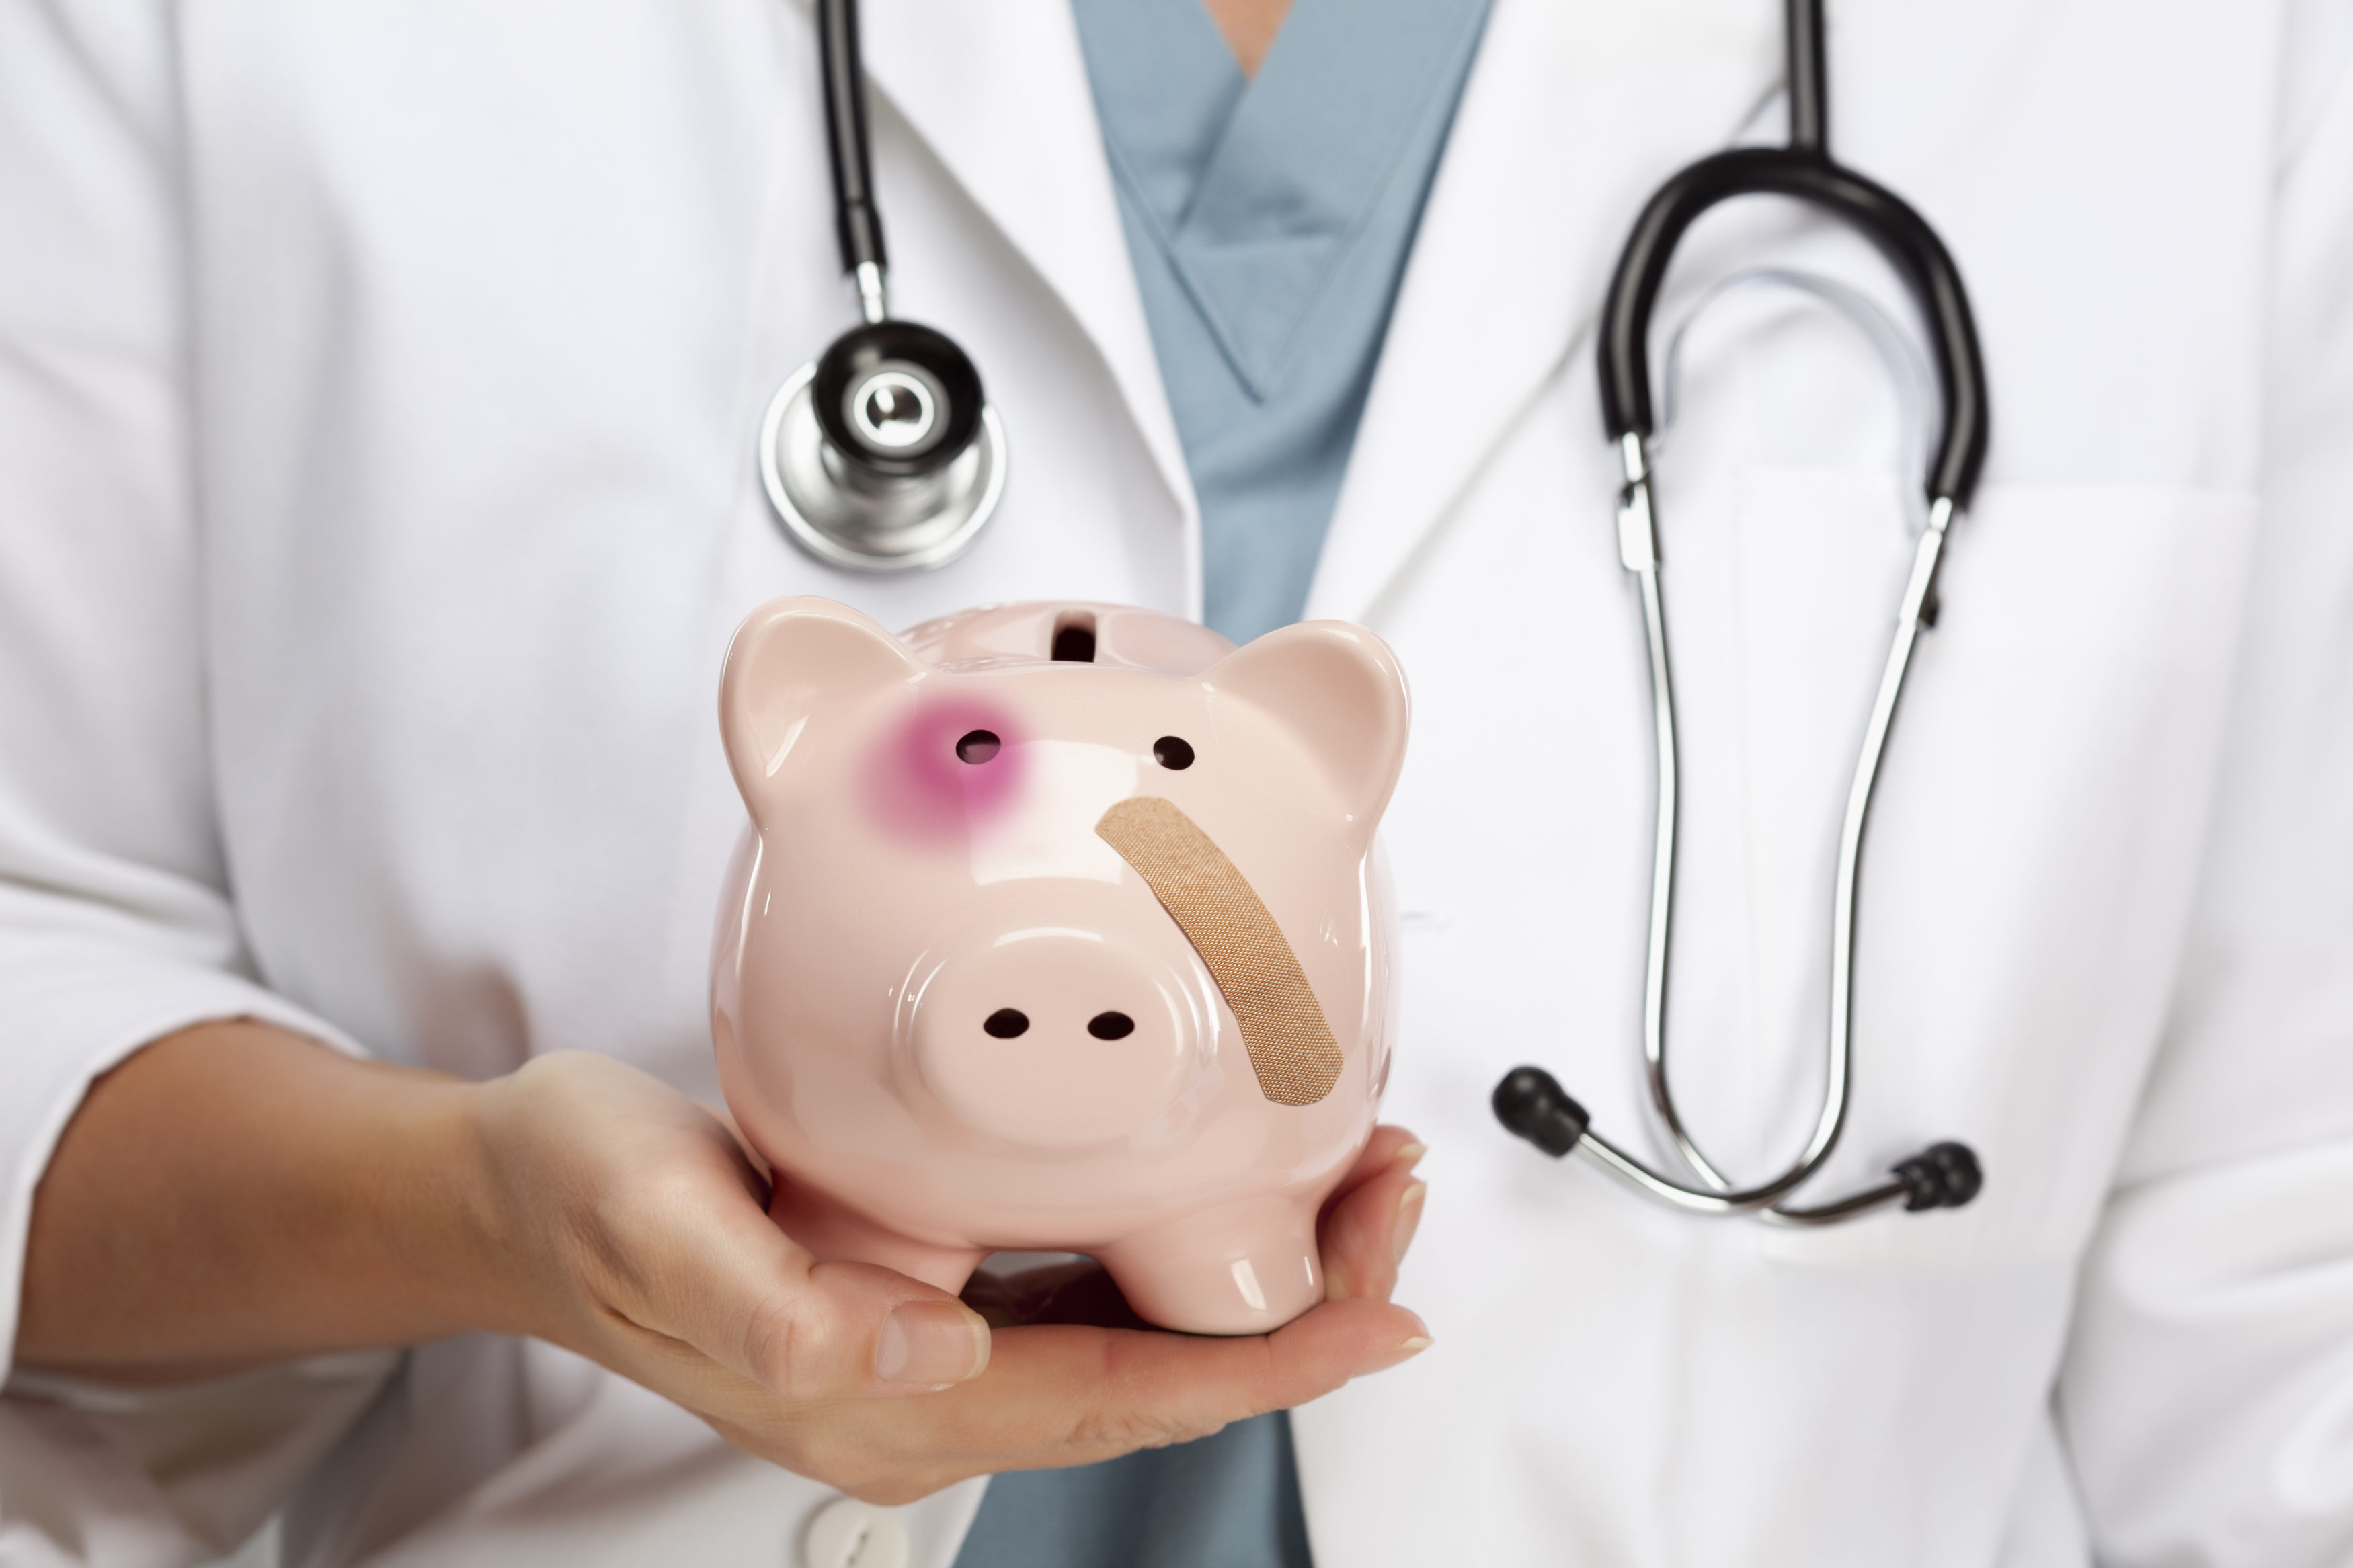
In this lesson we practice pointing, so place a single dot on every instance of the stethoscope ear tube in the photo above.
(1533, 1105)
(1528, 1101)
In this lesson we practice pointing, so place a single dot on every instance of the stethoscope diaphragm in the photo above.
(884, 455)
(852, 516)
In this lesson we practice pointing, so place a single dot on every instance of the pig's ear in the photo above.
(790, 658)
(1339, 689)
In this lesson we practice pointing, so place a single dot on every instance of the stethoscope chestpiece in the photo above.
(883, 456)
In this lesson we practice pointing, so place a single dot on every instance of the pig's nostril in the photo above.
(977, 746)
(1111, 1025)
(1006, 1022)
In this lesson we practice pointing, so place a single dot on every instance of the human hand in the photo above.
(623, 1220)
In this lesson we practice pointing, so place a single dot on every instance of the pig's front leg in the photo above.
(1245, 1268)
(835, 1233)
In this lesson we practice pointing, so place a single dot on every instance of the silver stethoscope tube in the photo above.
(1532, 1104)
(1638, 551)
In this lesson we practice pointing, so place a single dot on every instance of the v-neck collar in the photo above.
(1574, 110)
(1256, 188)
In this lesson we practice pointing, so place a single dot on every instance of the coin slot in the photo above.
(1074, 639)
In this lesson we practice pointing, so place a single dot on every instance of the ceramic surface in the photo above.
(957, 1019)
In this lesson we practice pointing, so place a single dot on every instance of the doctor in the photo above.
(376, 406)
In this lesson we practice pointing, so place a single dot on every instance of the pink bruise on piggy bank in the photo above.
(1060, 927)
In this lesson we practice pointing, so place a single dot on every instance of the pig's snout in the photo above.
(1056, 1037)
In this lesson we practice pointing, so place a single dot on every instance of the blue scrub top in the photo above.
(1269, 220)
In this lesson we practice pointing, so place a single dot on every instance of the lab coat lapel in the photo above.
(999, 93)
(1575, 111)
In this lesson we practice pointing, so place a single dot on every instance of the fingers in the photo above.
(1072, 1394)
(1387, 1146)
(663, 1263)
(1068, 1394)
(1371, 1219)
(639, 1214)
(727, 1282)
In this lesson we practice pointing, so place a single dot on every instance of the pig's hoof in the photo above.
(1220, 1273)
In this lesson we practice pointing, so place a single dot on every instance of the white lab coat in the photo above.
(378, 383)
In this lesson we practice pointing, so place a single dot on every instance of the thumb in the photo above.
(723, 1284)
(831, 1331)
(859, 1328)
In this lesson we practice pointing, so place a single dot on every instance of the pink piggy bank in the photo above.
(1060, 927)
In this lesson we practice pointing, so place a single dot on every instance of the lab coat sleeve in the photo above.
(2207, 1394)
(115, 923)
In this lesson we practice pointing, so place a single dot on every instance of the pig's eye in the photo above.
(1172, 752)
(979, 745)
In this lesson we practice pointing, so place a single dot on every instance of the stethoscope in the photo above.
(883, 455)
(1529, 1101)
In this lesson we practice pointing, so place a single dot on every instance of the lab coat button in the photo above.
(846, 1533)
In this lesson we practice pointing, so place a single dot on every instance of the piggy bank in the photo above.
(1060, 927)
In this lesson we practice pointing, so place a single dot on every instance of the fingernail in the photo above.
(1410, 1155)
(1406, 1351)
(930, 1342)
(1408, 1220)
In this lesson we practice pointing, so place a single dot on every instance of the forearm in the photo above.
(235, 1195)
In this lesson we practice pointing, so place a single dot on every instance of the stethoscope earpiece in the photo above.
(1531, 1104)
(1941, 1176)
(884, 455)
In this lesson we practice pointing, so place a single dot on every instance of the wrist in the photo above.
(466, 1233)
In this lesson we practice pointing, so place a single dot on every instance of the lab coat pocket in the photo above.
(2034, 838)
(1818, 561)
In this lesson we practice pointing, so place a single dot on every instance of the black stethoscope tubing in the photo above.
(857, 222)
